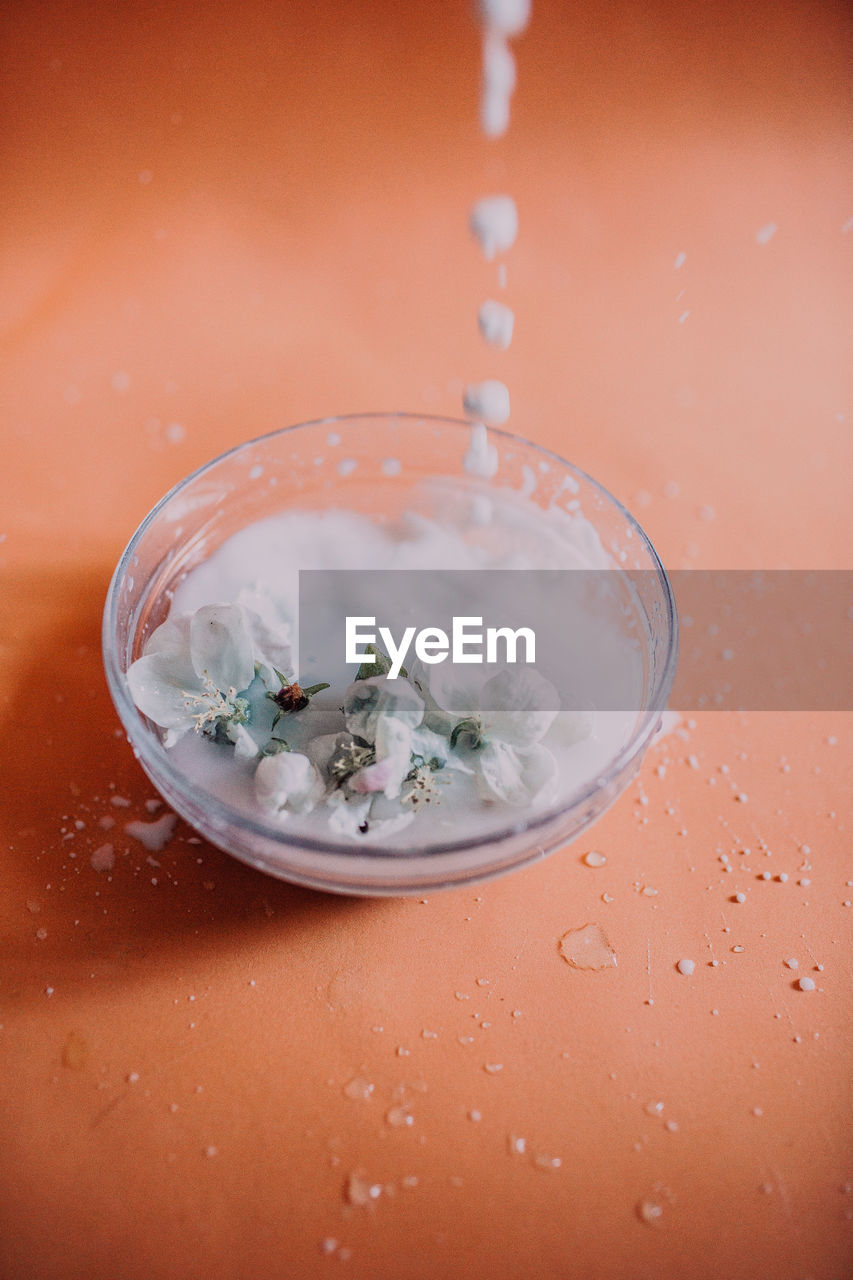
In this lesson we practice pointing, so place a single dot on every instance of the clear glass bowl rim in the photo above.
(147, 749)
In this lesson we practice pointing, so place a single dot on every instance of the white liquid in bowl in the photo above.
(258, 566)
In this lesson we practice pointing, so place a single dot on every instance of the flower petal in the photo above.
(432, 746)
(320, 750)
(221, 647)
(519, 707)
(574, 726)
(287, 781)
(162, 686)
(394, 745)
(269, 632)
(374, 777)
(245, 747)
(382, 827)
(394, 752)
(347, 813)
(171, 637)
(367, 702)
(448, 694)
(519, 777)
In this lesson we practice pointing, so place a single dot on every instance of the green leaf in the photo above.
(470, 729)
(350, 755)
(380, 667)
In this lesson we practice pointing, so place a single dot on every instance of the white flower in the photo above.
(245, 747)
(386, 713)
(519, 707)
(288, 782)
(423, 786)
(393, 755)
(352, 816)
(193, 669)
(348, 813)
(449, 695)
(320, 750)
(498, 730)
(519, 776)
(368, 702)
(270, 632)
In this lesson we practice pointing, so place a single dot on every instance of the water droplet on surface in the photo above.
(587, 948)
(650, 1211)
(75, 1052)
(686, 966)
(399, 1117)
(806, 984)
(594, 858)
(359, 1087)
(516, 1146)
(360, 1191)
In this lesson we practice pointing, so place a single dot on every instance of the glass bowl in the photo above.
(373, 464)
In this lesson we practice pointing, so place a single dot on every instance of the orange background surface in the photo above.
(222, 219)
